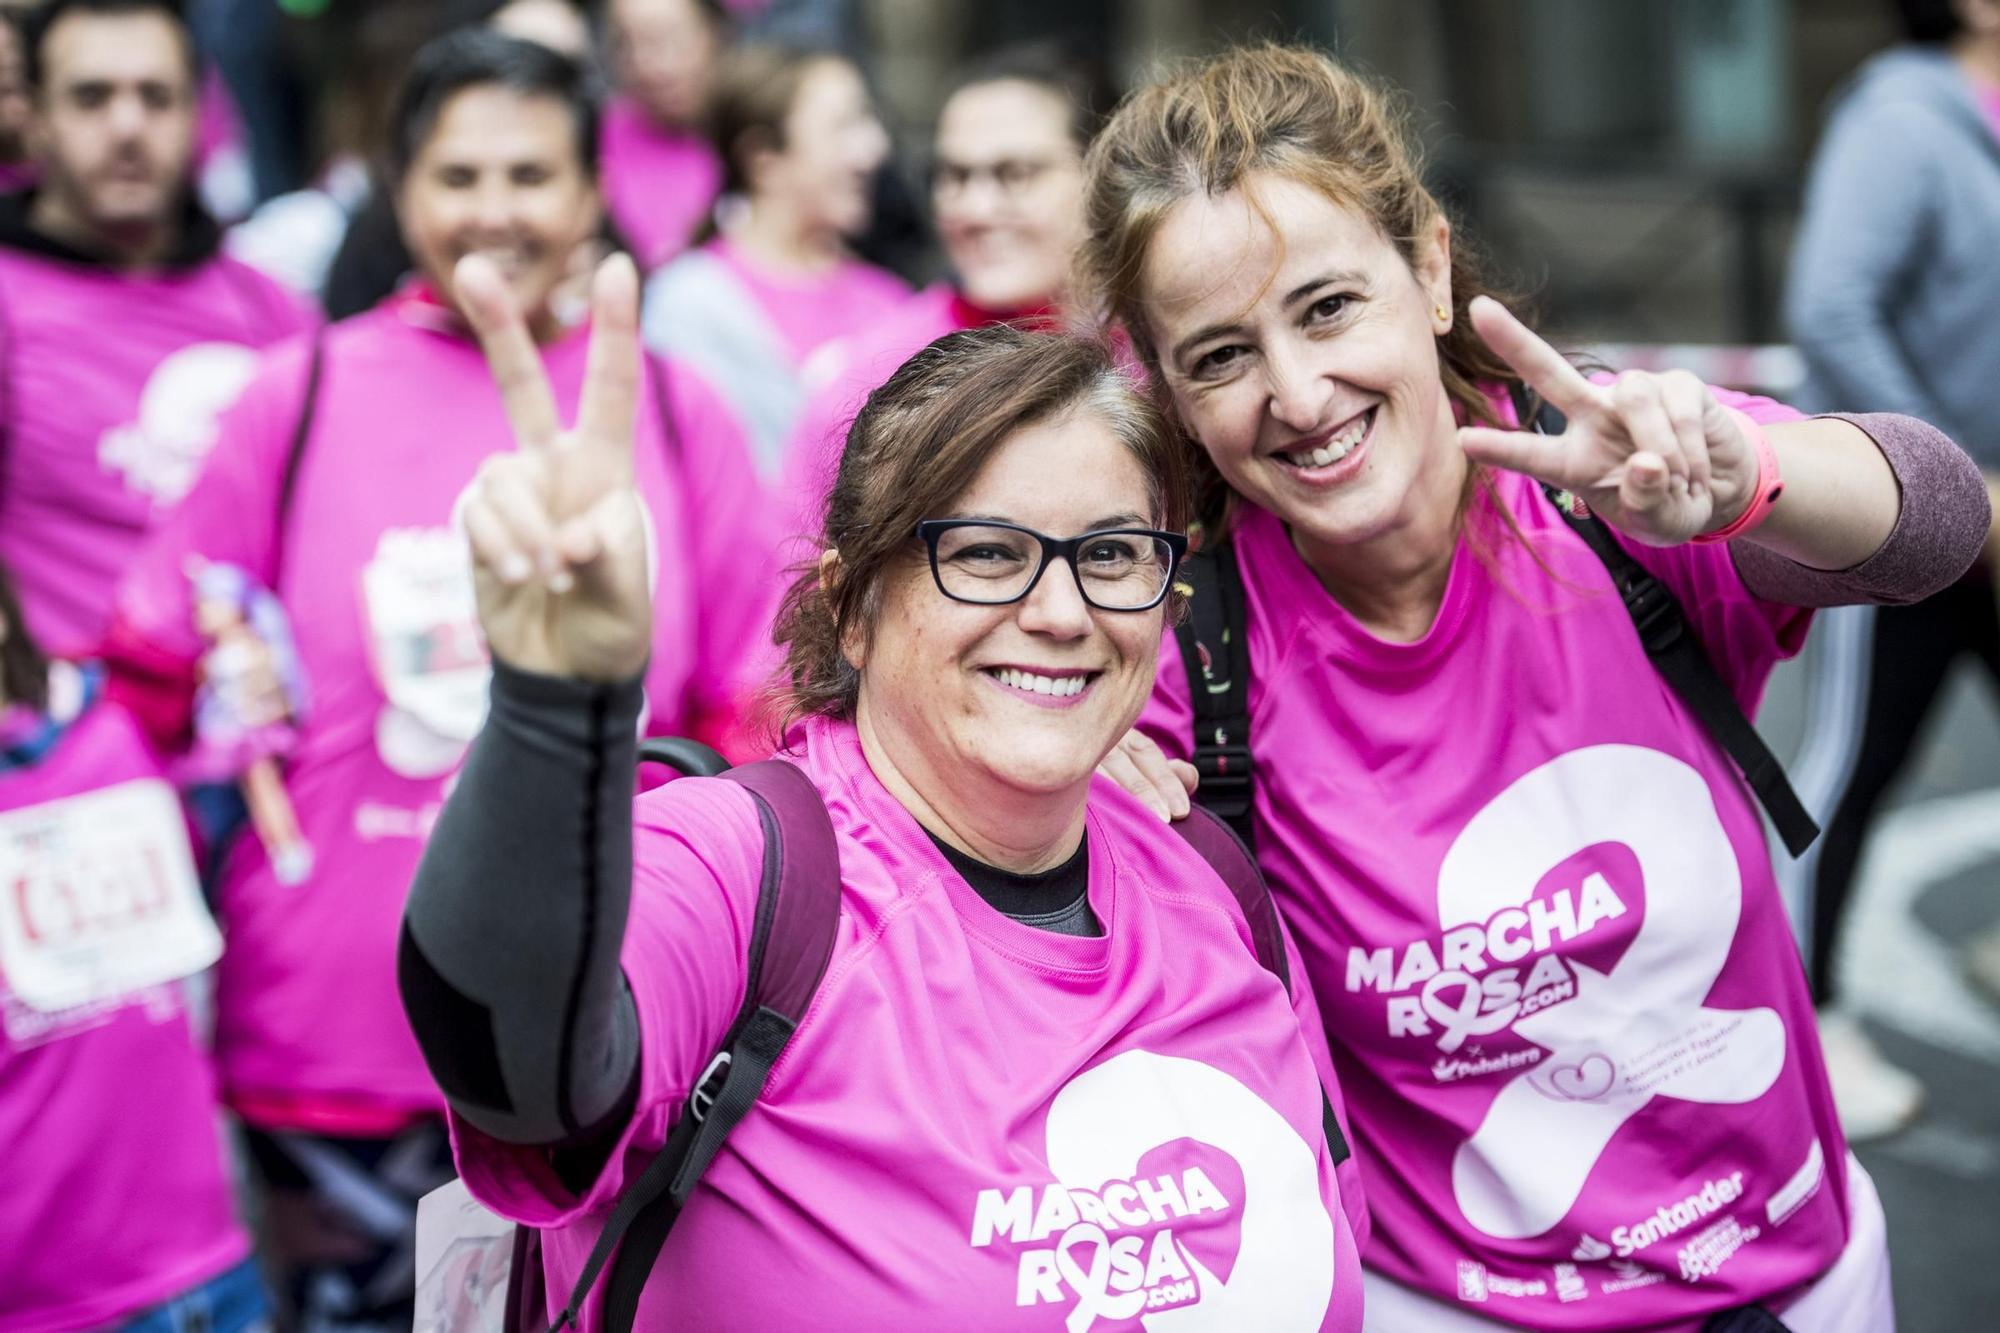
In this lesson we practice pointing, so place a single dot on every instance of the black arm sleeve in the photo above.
(509, 956)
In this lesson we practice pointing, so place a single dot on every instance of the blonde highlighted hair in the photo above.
(1284, 111)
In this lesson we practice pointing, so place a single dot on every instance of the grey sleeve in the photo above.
(509, 959)
(1863, 232)
(1943, 522)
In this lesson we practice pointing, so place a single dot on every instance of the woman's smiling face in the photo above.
(1300, 349)
(1030, 695)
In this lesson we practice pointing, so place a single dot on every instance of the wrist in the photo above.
(1763, 490)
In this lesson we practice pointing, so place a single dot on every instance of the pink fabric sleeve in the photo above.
(698, 851)
(734, 542)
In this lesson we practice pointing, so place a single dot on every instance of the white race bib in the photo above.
(98, 897)
(423, 630)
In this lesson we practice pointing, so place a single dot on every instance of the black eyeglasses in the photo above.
(991, 564)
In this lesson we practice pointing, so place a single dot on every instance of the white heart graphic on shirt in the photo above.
(1586, 1080)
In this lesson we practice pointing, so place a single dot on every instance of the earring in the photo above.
(1443, 314)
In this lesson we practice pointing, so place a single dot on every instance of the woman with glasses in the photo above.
(1007, 194)
(1534, 894)
(1045, 1079)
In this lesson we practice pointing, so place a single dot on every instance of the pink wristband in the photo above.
(1769, 485)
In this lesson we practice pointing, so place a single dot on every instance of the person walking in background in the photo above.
(123, 331)
(1894, 288)
(1007, 195)
(117, 1209)
(660, 172)
(759, 306)
(335, 486)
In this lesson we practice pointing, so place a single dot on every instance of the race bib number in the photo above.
(98, 897)
(423, 630)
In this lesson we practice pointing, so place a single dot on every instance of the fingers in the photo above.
(1640, 410)
(489, 306)
(1139, 766)
(507, 519)
(609, 408)
(1541, 366)
(1686, 401)
(1546, 458)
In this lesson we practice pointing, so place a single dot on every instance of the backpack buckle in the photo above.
(1656, 614)
(701, 1098)
(1227, 772)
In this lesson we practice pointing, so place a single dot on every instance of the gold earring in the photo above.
(1443, 315)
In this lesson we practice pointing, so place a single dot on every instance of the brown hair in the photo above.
(24, 672)
(1295, 113)
(752, 96)
(915, 447)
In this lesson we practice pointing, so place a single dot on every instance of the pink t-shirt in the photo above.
(116, 1194)
(658, 184)
(375, 576)
(979, 1124)
(110, 387)
(1537, 905)
(810, 312)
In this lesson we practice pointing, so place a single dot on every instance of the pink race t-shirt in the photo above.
(979, 1124)
(811, 312)
(113, 383)
(375, 576)
(1537, 906)
(116, 1195)
(658, 184)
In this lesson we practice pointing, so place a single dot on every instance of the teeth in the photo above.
(1336, 448)
(1060, 687)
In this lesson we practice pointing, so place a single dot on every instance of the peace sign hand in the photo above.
(1654, 455)
(557, 528)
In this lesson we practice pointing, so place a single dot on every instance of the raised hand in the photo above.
(557, 528)
(1654, 455)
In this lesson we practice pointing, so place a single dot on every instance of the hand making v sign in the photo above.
(1654, 455)
(557, 529)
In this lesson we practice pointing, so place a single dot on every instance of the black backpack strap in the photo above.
(1677, 654)
(791, 941)
(1227, 854)
(295, 452)
(1215, 650)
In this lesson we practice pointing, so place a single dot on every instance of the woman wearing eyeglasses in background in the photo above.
(1007, 196)
(1045, 1073)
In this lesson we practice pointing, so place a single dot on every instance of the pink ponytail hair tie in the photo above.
(1768, 488)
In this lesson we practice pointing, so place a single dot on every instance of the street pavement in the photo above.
(1929, 879)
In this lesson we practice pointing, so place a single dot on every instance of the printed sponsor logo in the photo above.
(1673, 1218)
(1476, 1283)
(1590, 1249)
(1793, 1194)
(1467, 984)
(1570, 1285)
(160, 453)
(1450, 1071)
(1713, 1247)
(1629, 1277)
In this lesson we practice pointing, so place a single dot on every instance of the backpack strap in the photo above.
(295, 452)
(1215, 650)
(1677, 654)
(791, 941)
(1228, 856)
